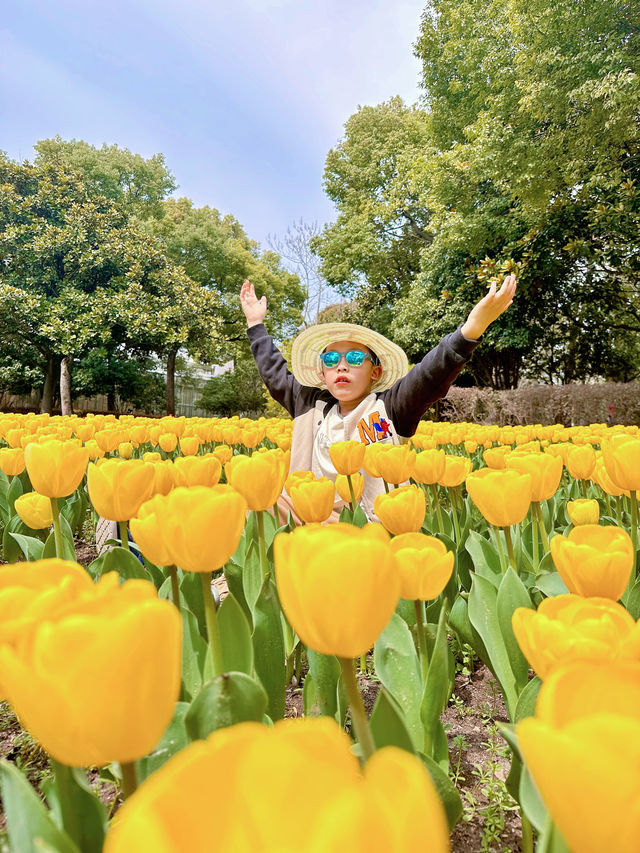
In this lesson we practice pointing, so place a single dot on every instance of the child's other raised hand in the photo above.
(489, 308)
(254, 309)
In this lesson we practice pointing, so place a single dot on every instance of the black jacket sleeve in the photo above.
(428, 381)
(280, 382)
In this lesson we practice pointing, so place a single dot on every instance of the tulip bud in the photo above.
(401, 510)
(424, 563)
(313, 500)
(583, 511)
(594, 561)
(117, 488)
(342, 486)
(347, 456)
(34, 510)
(502, 496)
(56, 468)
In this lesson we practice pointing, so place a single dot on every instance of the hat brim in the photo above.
(305, 353)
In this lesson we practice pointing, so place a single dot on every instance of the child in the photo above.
(351, 383)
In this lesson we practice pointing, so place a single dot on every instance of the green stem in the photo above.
(358, 714)
(619, 510)
(213, 628)
(352, 493)
(298, 662)
(386, 486)
(422, 639)
(436, 501)
(634, 528)
(583, 484)
(510, 551)
(527, 834)
(124, 535)
(428, 497)
(276, 514)
(57, 531)
(175, 589)
(543, 531)
(503, 562)
(534, 537)
(608, 502)
(129, 778)
(454, 512)
(363, 663)
(262, 544)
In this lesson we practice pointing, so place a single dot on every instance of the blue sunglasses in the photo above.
(354, 358)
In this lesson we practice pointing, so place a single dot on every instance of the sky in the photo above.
(244, 97)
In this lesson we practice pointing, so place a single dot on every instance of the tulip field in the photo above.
(508, 548)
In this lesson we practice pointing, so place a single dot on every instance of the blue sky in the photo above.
(244, 98)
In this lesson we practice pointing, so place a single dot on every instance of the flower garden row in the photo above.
(522, 541)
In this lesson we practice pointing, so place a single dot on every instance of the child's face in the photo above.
(349, 384)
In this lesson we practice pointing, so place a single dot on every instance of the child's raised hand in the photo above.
(489, 308)
(254, 309)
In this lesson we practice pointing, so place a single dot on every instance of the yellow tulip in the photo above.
(151, 456)
(502, 496)
(125, 450)
(197, 470)
(369, 464)
(148, 529)
(621, 455)
(583, 751)
(168, 441)
(495, 457)
(292, 764)
(109, 666)
(581, 461)
(583, 511)
(108, 439)
(117, 488)
(456, 470)
(594, 560)
(395, 462)
(322, 570)
(428, 467)
(189, 445)
(545, 472)
(223, 452)
(203, 526)
(347, 456)
(296, 477)
(342, 486)
(602, 478)
(424, 563)
(12, 461)
(568, 627)
(94, 450)
(258, 478)
(34, 510)
(313, 500)
(401, 510)
(56, 468)
(164, 477)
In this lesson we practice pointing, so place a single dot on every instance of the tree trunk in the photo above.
(46, 403)
(65, 385)
(171, 383)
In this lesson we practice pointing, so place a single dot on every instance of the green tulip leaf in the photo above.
(486, 559)
(511, 595)
(14, 492)
(11, 548)
(346, 516)
(550, 583)
(73, 509)
(233, 573)
(447, 792)
(633, 600)
(252, 575)
(483, 615)
(311, 698)
(31, 547)
(28, 820)
(531, 801)
(398, 668)
(194, 654)
(325, 671)
(527, 700)
(235, 637)
(459, 621)
(78, 808)
(68, 548)
(407, 611)
(173, 740)
(191, 590)
(268, 648)
(123, 562)
(436, 686)
(388, 726)
(227, 699)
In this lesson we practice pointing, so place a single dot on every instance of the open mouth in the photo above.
(342, 382)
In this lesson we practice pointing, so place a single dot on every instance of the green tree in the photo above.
(237, 392)
(78, 273)
(116, 173)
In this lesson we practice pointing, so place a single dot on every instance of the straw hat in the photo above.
(306, 349)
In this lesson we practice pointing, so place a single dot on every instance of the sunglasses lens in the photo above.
(355, 357)
(330, 359)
